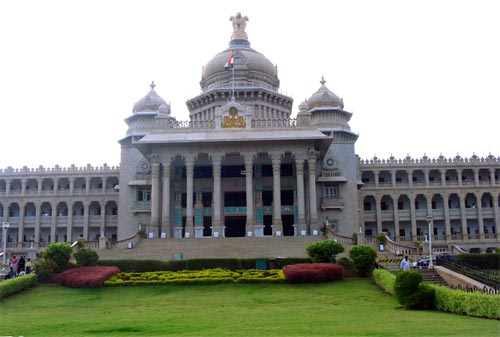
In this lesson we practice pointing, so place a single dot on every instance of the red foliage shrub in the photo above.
(90, 277)
(313, 272)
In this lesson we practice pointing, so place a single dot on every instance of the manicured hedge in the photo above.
(200, 264)
(464, 303)
(139, 265)
(14, 285)
(483, 261)
(313, 272)
(385, 280)
(89, 277)
(206, 276)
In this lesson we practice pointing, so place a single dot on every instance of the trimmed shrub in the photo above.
(89, 277)
(14, 285)
(324, 251)
(141, 265)
(464, 303)
(385, 280)
(200, 264)
(313, 272)
(285, 261)
(363, 257)
(411, 292)
(86, 257)
(45, 269)
(60, 253)
(483, 261)
(346, 263)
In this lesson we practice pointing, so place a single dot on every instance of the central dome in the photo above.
(250, 67)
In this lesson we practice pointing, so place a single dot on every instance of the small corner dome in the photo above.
(303, 106)
(325, 98)
(152, 102)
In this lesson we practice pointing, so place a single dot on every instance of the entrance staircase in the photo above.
(430, 276)
(244, 247)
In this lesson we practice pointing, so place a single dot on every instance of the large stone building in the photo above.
(242, 166)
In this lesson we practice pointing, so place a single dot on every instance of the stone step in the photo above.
(254, 247)
(431, 276)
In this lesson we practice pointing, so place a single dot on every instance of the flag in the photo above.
(230, 62)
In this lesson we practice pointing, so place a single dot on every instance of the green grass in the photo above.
(343, 308)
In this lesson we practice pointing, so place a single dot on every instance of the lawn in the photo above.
(342, 308)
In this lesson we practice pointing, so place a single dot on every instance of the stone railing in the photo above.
(58, 169)
(345, 240)
(129, 242)
(398, 248)
(426, 160)
(274, 122)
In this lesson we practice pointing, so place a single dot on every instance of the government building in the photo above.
(246, 165)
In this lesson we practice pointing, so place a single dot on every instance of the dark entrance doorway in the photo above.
(235, 226)
(207, 226)
(287, 225)
(268, 221)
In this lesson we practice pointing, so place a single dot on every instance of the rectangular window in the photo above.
(331, 192)
(143, 195)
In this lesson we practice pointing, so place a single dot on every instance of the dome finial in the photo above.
(322, 80)
(239, 25)
(152, 85)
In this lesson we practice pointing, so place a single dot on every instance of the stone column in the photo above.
(23, 187)
(476, 177)
(396, 217)
(447, 222)
(85, 221)
(376, 174)
(463, 217)
(492, 176)
(379, 214)
(459, 176)
(87, 187)
(480, 220)
(216, 221)
(426, 176)
(443, 177)
(20, 231)
(413, 218)
(313, 209)
(277, 223)
(69, 224)
(410, 178)
(299, 168)
(248, 158)
(53, 223)
(155, 198)
(7, 187)
(189, 195)
(393, 178)
(165, 214)
(38, 213)
(102, 230)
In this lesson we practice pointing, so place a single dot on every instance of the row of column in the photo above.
(8, 184)
(53, 226)
(413, 216)
(216, 159)
(442, 172)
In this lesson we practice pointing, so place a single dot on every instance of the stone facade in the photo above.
(241, 166)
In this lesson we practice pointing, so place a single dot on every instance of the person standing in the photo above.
(405, 264)
(29, 266)
(13, 263)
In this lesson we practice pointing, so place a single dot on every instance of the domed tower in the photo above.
(145, 111)
(252, 79)
(326, 110)
(339, 175)
(134, 165)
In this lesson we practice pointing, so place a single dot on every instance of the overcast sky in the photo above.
(420, 77)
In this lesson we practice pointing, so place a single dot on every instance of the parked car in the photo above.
(423, 262)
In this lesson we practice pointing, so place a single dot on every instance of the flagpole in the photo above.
(232, 85)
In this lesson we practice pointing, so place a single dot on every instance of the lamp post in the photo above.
(5, 226)
(429, 222)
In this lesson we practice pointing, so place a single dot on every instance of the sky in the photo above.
(420, 77)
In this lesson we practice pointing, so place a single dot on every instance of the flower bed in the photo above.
(92, 277)
(313, 272)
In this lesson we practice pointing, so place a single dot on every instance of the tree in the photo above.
(60, 253)
(324, 251)
(86, 257)
(364, 259)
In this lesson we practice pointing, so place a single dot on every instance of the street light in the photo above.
(429, 222)
(5, 226)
